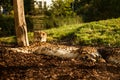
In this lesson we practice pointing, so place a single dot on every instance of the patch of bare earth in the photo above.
(28, 66)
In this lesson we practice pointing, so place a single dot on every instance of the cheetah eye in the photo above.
(86, 57)
(43, 33)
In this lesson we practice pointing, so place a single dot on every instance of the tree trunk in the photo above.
(20, 23)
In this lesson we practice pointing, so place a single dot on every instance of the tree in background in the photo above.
(61, 8)
(29, 6)
(97, 9)
(60, 13)
(7, 5)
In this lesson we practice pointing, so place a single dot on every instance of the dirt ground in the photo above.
(19, 66)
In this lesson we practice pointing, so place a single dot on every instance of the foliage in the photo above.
(97, 9)
(61, 13)
(89, 10)
(7, 5)
(7, 25)
(51, 22)
(8, 28)
(61, 8)
(29, 6)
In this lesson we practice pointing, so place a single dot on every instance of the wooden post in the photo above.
(20, 23)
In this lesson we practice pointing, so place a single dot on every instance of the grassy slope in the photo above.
(104, 32)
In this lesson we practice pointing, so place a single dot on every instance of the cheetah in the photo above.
(40, 36)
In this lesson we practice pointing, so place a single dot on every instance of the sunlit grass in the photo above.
(8, 40)
(58, 33)
(104, 32)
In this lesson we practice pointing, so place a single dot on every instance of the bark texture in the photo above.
(20, 23)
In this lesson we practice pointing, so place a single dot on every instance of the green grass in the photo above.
(8, 40)
(98, 34)
(101, 33)
(61, 32)
(104, 32)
